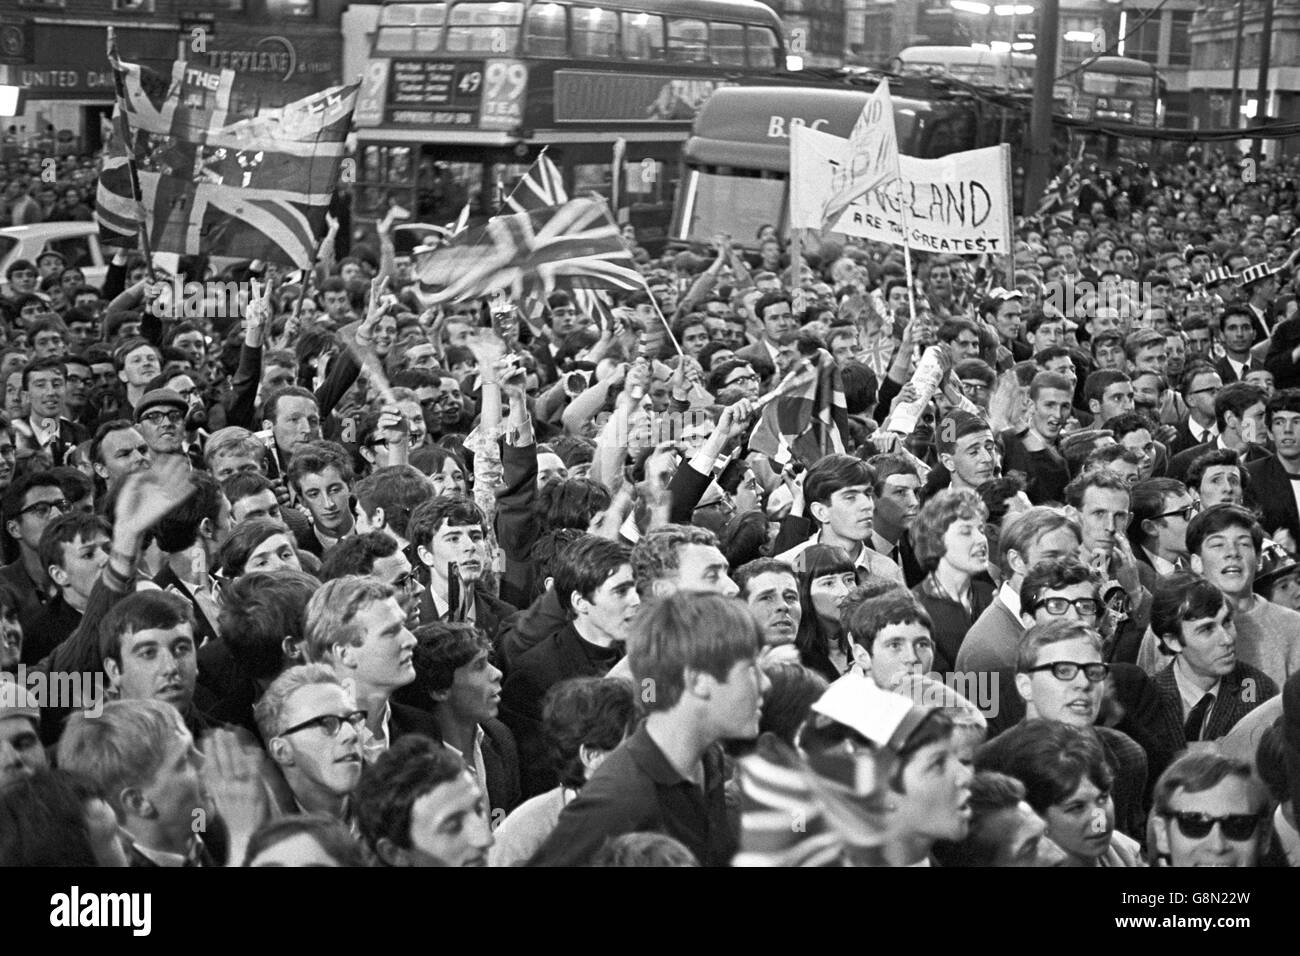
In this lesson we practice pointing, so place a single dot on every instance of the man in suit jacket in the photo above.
(1238, 333)
(448, 534)
(1205, 688)
(1274, 480)
(593, 582)
(774, 310)
(1200, 384)
(1239, 413)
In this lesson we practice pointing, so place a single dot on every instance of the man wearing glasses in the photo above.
(1161, 507)
(312, 730)
(1061, 676)
(1210, 811)
(29, 506)
(160, 416)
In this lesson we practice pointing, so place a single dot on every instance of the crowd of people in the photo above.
(326, 576)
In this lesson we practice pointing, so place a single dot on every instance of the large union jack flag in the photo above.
(218, 174)
(541, 187)
(806, 423)
(531, 253)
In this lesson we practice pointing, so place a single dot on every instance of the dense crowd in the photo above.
(301, 571)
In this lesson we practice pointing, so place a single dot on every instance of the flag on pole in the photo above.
(873, 156)
(525, 253)
(1058, 200)
(808, 422)
(542, 186)
(219, 175)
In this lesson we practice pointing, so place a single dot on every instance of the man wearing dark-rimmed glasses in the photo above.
(30, 505)
(313, 731)
(1061, 676)
(1210, 811)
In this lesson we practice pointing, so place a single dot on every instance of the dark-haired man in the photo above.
(1033, 452)
(1275, 480)
(840, 492)
(1239, 414)
(694, 658)
(595, 587)
(1206, 688)
(449, 534)
(455, 676)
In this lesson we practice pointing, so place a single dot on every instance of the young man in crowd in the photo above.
(74, 549)
(355, 625)
(419, 806)
(448, 534)
(694, 661)
(771, 590)
(673, 558)
(1239, 414)
(30, 504)
(966, 450)
(320, 474)
(594, 585)
(1206, 688)
(457, 681)
(1161, 509)
(311, 728)
(840, 495)
(1210, 811)
(1033, 453)
(892, 637)
(1225, 543)
(1027, 539)
(1274, 480)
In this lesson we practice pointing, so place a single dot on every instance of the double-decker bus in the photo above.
(1121, 89)
(458, 98)
(983, 67)
(736, 164)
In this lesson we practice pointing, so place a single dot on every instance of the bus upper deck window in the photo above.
(643, 36)
(762, 47)
(410, 27)
(544, 33)
(688, 41)
(484, 27)
(727, 44)
(595, 33)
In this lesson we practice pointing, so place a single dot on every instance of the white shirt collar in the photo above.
(1191, 694)
(1202, 435)
(439, 605)
(1163, 568)
(168, 860)
(1011, 598)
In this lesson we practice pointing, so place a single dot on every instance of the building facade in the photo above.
(1215, 52)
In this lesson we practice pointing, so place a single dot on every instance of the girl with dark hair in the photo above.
(826, 576)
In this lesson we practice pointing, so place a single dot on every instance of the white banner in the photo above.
(873, 155)
(958, 203)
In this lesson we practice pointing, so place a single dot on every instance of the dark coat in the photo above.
(1235, 700)
(1270, 488)
(559, 657)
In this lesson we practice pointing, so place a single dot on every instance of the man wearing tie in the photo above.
(1206, 689)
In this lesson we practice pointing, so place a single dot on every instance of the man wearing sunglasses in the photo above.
(1161, 509)
(1210, 811)
(312, 730)
(1061, 676)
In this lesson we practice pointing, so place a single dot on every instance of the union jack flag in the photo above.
(532, 253)
(1057, 203)
(806, 423)
(218, 174)
(541, 187)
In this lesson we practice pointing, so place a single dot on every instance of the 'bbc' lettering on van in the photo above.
(778, 127)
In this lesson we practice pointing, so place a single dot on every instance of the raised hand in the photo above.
(232, 776)
(148, 496)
